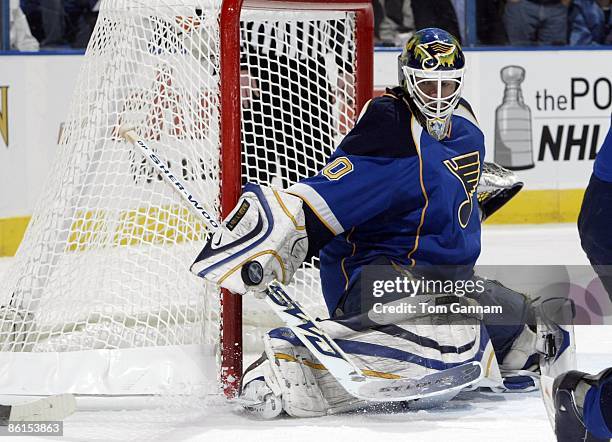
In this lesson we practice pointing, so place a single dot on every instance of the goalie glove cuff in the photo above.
(497, 186)
(262, 239)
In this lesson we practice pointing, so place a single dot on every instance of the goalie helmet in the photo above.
(431, 68)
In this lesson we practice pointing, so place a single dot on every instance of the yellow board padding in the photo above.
(540, 207)
(136, 227)
(151, 225)
(158, 225)
(11, 234)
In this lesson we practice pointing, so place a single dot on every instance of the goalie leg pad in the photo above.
(546, 352)
(265, 230)
(533, 338)
(556, 343)
(418, 347)
(307, 388)
(520, 366)
(388, 352)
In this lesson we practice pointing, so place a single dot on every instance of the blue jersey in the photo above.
(603, 162)
(392, 191)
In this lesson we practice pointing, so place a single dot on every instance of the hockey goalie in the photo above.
(406, 189)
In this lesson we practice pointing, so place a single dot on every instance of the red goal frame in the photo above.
(231, 306)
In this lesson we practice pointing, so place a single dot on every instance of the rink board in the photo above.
(566, 96)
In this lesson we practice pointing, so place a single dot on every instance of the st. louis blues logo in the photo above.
(466, 169)
(438, 127)
(436, 53)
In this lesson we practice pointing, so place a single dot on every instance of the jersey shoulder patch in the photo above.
(383, 130)
(464, 109)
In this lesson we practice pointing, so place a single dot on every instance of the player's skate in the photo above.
(543, 345)
(258, 399)
(568, 396)
(258, 396)
(545, 350)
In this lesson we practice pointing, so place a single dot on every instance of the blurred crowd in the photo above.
(498, 22)
(52, 24)
(59, 24)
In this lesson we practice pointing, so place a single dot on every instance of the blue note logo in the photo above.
(466, 168)
(436, 53)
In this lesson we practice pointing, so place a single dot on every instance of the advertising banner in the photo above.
(35, 93)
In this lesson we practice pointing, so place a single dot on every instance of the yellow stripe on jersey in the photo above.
(416, 136)
(348, 240)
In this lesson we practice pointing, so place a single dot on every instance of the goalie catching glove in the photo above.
(497, 186)
(262, 239)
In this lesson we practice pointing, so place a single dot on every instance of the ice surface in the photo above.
(471, 417)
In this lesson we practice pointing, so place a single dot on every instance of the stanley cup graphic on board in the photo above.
(513, 143)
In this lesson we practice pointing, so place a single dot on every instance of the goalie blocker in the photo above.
(263, 239)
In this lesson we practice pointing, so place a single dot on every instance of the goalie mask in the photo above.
(431, 69)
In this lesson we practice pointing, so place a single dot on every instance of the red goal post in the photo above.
(231, 325)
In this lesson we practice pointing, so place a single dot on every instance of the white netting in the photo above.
(104, 264)
(297, 101)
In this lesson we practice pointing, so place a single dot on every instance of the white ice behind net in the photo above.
(104, 264)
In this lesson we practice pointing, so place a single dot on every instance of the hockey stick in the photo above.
(315, 339)
(131, 136)
(51, 408)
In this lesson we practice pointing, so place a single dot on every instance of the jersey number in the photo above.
(337, 168)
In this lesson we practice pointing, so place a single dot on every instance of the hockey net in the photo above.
(100, 299)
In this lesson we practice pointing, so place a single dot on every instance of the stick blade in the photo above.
(51, 408)
(441, 382)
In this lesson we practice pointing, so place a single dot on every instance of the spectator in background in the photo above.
(459, 6)
(489, 25)
(451, 15)
(393, 22)
(400, 12)
(31, 9)
(590, 22)
(81, 18)
(47, 20)
(436, 14)
(379, 17)
(534, 22)
(53, 22)
(21, 36)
